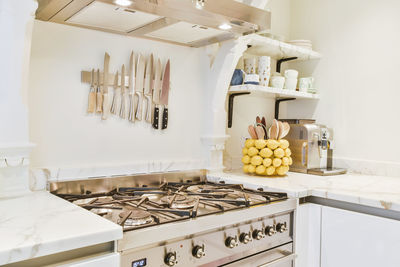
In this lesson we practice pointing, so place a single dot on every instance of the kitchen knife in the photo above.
(164, 95)
(139, 86)
(122, 112)
(106, 96)
(99, 96)
(92, 95)
(116, 97)
(132, 67)
(147, 88)
(156, 93)
(115, 106)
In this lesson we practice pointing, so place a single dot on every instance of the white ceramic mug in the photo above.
(290, 84)
(250, 65)
(291, 74)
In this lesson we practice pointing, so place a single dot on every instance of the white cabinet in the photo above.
(307, 239)
(350, 239)
(106, 260)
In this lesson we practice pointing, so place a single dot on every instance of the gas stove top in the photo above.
(181, 219)
(135, 207)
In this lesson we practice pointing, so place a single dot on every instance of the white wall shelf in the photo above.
(264, 46)
(270, 92)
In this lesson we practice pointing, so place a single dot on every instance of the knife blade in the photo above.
(92, 94)
(99, 95)
(122, 112)
(132, 67)
(115, 106)
(164, 95)
(139, 86)
(147, 88)
(106, 96)
(156, 93)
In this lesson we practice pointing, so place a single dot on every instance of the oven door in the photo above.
(282, 256)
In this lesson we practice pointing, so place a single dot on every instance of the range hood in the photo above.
(185, 22)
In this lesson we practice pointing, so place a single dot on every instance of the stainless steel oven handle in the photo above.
(288, 257)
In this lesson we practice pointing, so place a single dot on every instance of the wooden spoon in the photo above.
(274, 130)
(280, 125)
(263, 121)
(258, 120)
(260, 132)
(286, 129)
(252, 132)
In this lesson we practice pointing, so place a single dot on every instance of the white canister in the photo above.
(264, 65)
(277, 82)
(264, 79)
(291, 74)
(290, 84)
(251, 79)
(250, 65)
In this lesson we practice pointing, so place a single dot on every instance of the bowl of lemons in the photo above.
(269, 157)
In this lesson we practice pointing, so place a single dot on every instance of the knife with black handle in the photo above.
(164, 95)
(156, 92)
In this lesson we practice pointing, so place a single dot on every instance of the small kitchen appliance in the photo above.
(312, 148)
(189, 219)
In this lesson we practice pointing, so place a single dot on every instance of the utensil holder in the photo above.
(266, 157)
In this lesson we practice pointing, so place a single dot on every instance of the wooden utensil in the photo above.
(280, 125)
(92, 94)
(131, 82)
(274, 130)
(258, 120)
(260, 132)
(286, 129)
(99, 95)
(116, 97)
(141, 63)
(252, 132)
(263, 121)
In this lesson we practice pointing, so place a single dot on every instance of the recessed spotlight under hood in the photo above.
(174, 21)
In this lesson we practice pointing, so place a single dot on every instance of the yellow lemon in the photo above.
(282, 170)
(244, 151)
(252, 151)
(260, 170)
(277, 162)
(266, 152)
(272, 144)
(283, 143)
(270, 170)
(267, 162)
(251, 169)
(249, 143)
(246, 168)
(246, 159)
(256, 160)
(290, 161)
(288, 152)
(260, 143)
(279, 153)
(285, 161)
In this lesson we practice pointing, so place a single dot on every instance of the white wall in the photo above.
(68, 137)
(358, 77)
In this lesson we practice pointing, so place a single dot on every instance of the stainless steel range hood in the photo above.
(183, 22)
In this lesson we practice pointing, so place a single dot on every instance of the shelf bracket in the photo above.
(280, 61)
(277, 102)
(230, 106)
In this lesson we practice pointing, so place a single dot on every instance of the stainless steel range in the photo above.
(181, 219)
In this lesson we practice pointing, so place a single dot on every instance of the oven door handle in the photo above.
(289, 256)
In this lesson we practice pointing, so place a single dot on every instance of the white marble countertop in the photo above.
(40, 224)
(374, 191)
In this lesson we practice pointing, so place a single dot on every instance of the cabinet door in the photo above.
(308, 235)
(351, 239)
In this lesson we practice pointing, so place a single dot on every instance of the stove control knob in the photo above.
(231, 242)
(257, 234)
(244, 238)
(281, 227)
(198, 251)
(170, 259)
(269, 230)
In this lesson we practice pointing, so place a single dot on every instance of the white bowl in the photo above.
(277, 82)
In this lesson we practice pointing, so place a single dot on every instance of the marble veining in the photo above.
(374, 191)
(40, 224)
